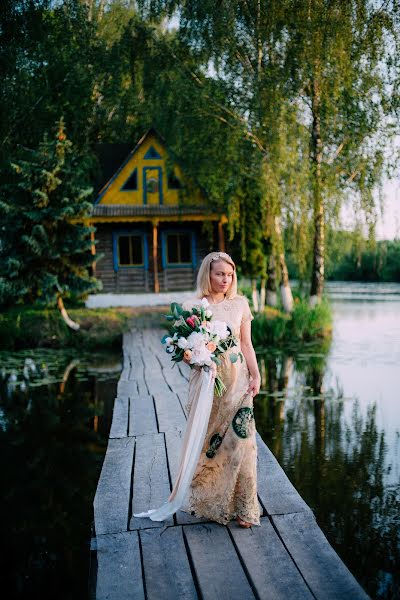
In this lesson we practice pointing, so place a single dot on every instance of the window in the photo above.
(131, 184)
(130, 251)
(179, 248)
(173, 182)
(152, 154)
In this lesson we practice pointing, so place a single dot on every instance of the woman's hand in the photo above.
(254, 386)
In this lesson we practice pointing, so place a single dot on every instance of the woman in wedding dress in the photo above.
(224, 485)
(217, 475)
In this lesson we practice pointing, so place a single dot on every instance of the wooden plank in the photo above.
(325, 573)
(275, 491)
(119, 424)
(142, 416)
(119, 570)
(166, 565)
(170, 415)
(126, 388)
(111, 502)
(218, 569)
(272, 571)
(151, 487)
(173, 442)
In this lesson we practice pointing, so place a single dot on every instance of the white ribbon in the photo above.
(192, 445)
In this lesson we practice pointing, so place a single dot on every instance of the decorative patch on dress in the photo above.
(215, 442)
(241, 421)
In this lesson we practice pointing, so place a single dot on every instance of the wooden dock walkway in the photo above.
(287, 557)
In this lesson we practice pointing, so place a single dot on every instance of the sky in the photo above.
(389, 226)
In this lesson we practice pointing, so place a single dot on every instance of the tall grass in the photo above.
(32, 328)
(305, 323)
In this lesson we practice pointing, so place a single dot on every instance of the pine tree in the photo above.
(45, 252)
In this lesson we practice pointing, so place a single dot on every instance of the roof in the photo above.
(110, 157)
(147, 210)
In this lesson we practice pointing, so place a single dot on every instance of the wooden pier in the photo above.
(287, 557)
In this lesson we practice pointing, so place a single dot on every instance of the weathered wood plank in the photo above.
(111, 502)
(169, 370)
(325, 573)
(276, 492)
(273, 573)
(217, 566)
(126, 388)
(142, 416)
(166, 565)
(119, 425)
(170, 415)
(151, 487)
(119, 570)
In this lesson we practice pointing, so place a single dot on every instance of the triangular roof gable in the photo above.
(150, 132)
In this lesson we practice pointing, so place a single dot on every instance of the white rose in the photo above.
(204, 303)
(195, 339)
(201, 356)
(208, 313)
(220, 329)
(168, 341)
(182, 343)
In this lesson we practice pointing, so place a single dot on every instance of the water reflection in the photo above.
(53, 437)
(338, 464)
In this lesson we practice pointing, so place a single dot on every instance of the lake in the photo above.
(332, 418)
(55, 415)
(331, 415)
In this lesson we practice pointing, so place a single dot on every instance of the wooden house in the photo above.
(149, 222)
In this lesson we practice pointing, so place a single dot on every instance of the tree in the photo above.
(46, 247)
(242, 46)
(339, 62)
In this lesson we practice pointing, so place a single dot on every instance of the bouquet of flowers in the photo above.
(197, 337)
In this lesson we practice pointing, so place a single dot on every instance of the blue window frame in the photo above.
(130, 250)
(178, 248)
(152, 154)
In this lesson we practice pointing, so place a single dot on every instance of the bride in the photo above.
(217, 477)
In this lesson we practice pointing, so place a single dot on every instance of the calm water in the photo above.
(332, 418)
(55, 415)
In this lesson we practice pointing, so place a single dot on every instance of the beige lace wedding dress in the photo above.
(224, 484)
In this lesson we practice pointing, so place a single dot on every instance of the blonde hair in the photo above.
(203, 276)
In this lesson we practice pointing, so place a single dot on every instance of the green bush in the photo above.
(305, 323)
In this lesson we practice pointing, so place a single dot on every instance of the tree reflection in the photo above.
(50, 462)
(336, 458)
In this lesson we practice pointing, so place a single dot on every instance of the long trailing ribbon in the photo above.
(192, 445)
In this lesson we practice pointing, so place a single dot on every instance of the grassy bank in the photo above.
(100, 329)
(304, 324)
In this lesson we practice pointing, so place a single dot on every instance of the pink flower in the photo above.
(192, 321)
(211, 346)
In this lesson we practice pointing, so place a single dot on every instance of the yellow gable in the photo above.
(143, 178)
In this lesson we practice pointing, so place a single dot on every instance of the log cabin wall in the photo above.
(137, 279)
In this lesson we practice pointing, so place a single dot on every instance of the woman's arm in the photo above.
(250, 356)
